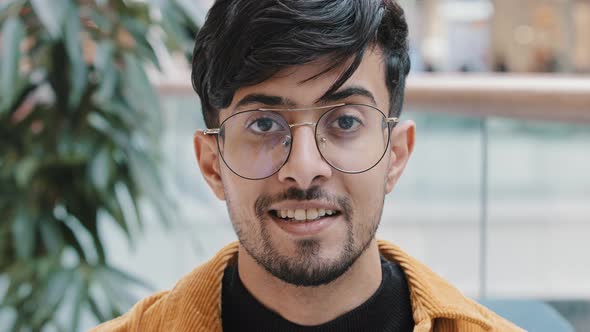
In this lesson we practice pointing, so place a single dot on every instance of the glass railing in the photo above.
(507, 160)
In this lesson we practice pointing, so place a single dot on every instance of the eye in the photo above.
(264, 125)
(346, 122)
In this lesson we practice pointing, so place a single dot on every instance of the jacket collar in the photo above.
(432, 296)
(198, 295)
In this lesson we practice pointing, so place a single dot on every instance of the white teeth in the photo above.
(300, 214)
(312, 214)
(304, 214)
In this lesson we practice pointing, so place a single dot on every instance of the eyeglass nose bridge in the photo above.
(295, 125)
(322, 140)
(289, 138)
(301, 124)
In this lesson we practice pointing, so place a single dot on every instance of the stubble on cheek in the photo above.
(250, 220)
(246, 229)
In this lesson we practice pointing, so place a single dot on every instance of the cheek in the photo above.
(241, 194)
(366, 189)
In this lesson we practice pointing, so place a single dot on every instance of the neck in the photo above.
(313, 305)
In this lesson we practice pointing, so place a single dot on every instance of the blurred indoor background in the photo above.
(496, 197)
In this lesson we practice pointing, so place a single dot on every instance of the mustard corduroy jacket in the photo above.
(195, 302)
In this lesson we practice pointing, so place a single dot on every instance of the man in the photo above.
(302, 100)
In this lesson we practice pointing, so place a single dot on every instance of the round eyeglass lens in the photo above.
(352, 138)
(254, 144)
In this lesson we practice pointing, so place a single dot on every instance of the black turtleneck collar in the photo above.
(388, 309)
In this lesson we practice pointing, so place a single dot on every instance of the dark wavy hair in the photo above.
(245, 42)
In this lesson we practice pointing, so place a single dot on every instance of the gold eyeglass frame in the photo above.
(388, 120)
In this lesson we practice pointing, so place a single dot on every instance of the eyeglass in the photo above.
(351, 138)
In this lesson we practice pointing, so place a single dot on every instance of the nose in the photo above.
(305, 166)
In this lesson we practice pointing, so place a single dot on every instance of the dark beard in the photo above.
(306, 269)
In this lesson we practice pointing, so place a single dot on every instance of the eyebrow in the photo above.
(270, 100)
(345, 93)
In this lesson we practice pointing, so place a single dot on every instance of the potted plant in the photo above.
(79, 129)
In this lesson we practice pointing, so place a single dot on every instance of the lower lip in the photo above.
(305, 228)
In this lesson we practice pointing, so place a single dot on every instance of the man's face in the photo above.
(309, 253)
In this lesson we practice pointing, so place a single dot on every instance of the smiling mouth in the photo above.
(303, 215)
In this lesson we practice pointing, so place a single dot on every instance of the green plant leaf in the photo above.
(51, 236)
(140, 93)
(121, 277)
(20, 275)
(17, 325)
(52, 294)
(52, 14)
(147, 175)
(107, 87)
(128, 115)
(25, 170)
(101, 21)
(101, 169)
(116, 287)
(125, 194)
(82, 222)
(192, 10)
(23, 234)
(95, 308)
(114, 210)
(105, 51)
(103, 63)
(80, 289)
(97, 241)
(171, 24)
(102, 125)
(10, 8)
(13, 32)
(139, 31)
(73, 43)
(74, 241)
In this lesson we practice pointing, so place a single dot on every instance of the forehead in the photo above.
(294, 87)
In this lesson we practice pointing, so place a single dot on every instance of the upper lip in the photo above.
(303, 205)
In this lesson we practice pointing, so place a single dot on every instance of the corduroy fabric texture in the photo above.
(195, 302)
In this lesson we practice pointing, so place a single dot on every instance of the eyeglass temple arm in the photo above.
(214, 131)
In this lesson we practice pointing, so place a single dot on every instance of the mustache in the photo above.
(295, 194)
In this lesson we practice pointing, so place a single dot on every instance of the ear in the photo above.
(208, 160)
(401, 145)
